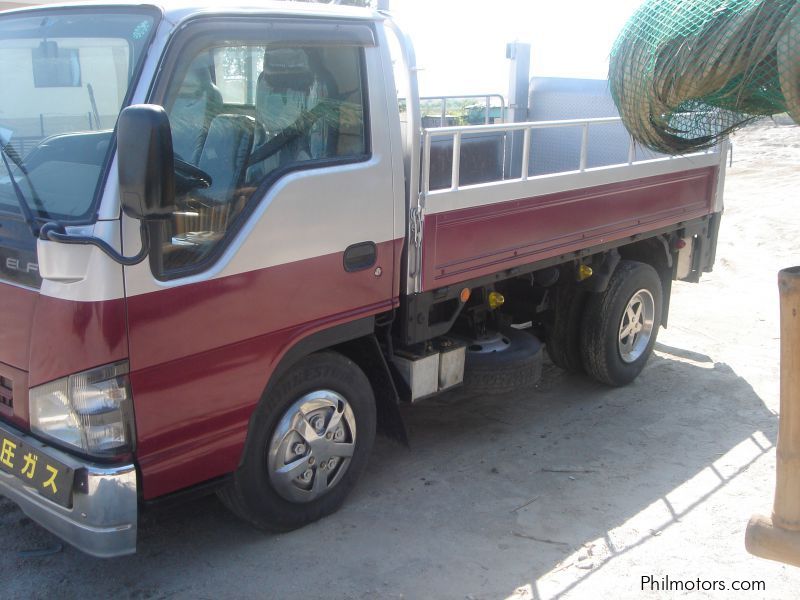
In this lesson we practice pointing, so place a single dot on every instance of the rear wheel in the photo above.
(564, 339)
(309, 443)
(620, 325)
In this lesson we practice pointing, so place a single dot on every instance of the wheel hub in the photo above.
(636, 326)
(312, 446)
(494, 343)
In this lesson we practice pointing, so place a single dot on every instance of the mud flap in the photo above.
(366, 353)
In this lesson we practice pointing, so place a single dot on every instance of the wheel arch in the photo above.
(356, 341)
(654, 251)
(318, 341)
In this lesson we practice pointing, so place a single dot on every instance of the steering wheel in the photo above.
(189, 177)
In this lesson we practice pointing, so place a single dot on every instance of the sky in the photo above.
(461, 44)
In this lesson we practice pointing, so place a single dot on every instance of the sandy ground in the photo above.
(573, 490)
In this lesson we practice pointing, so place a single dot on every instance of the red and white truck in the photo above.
(229, 253)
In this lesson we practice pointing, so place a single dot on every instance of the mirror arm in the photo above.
(56, 233)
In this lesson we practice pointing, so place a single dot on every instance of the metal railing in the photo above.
(487, 99)
(23, 145)
(458, 132)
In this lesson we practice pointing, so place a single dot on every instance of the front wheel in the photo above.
(309, 442)
(620, 325)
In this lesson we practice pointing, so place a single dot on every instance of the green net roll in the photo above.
(684, 73)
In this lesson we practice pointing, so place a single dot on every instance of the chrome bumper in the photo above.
(102, 520)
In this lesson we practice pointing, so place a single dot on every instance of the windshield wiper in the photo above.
(55, 231)
(27, 214)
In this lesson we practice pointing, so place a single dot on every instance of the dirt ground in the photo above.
(573, 490)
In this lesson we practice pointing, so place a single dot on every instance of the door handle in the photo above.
(358, 257)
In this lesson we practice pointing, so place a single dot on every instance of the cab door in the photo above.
(284, 227)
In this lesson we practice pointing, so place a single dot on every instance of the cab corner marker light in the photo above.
(680, 244)
(584, 272)
(496, 299)
(464, 295)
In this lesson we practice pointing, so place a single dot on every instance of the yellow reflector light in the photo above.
(496, 299)
(584, 272)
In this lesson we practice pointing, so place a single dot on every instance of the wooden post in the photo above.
(778, 537)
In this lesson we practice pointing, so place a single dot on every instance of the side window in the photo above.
(241, 116)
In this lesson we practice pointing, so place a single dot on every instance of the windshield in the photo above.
(64, 77)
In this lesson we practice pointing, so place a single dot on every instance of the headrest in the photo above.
(198, 78)
(288, 69)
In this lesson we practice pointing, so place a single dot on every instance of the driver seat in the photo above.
(195, 107)
(224, 156)
(283, 93)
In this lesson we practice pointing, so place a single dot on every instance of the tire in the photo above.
(324, 392)
(564, 340)
(608, 357)
(515, 365)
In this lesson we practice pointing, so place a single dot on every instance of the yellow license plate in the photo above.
(51, 478)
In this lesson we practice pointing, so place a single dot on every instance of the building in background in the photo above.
(9, 4)
(56, 85)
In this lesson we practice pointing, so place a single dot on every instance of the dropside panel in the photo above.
(464, 244)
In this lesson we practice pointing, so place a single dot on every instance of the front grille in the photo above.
(6, 392)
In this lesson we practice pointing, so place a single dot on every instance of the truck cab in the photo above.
(281, 224)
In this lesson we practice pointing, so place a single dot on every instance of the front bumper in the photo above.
(102, 520)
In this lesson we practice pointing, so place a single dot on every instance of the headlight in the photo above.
(90, 411)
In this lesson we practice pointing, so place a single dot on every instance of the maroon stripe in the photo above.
(52, 338)
(467, 243)
(68, 337)
(16, 313)
(201, 355)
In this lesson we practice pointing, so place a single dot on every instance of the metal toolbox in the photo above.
(437, 368)
(452, 354)
(421, 373)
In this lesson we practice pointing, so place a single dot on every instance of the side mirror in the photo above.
(145, 162)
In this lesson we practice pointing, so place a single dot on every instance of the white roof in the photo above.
(178, 10)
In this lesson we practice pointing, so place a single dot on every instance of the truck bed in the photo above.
(526, 209)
